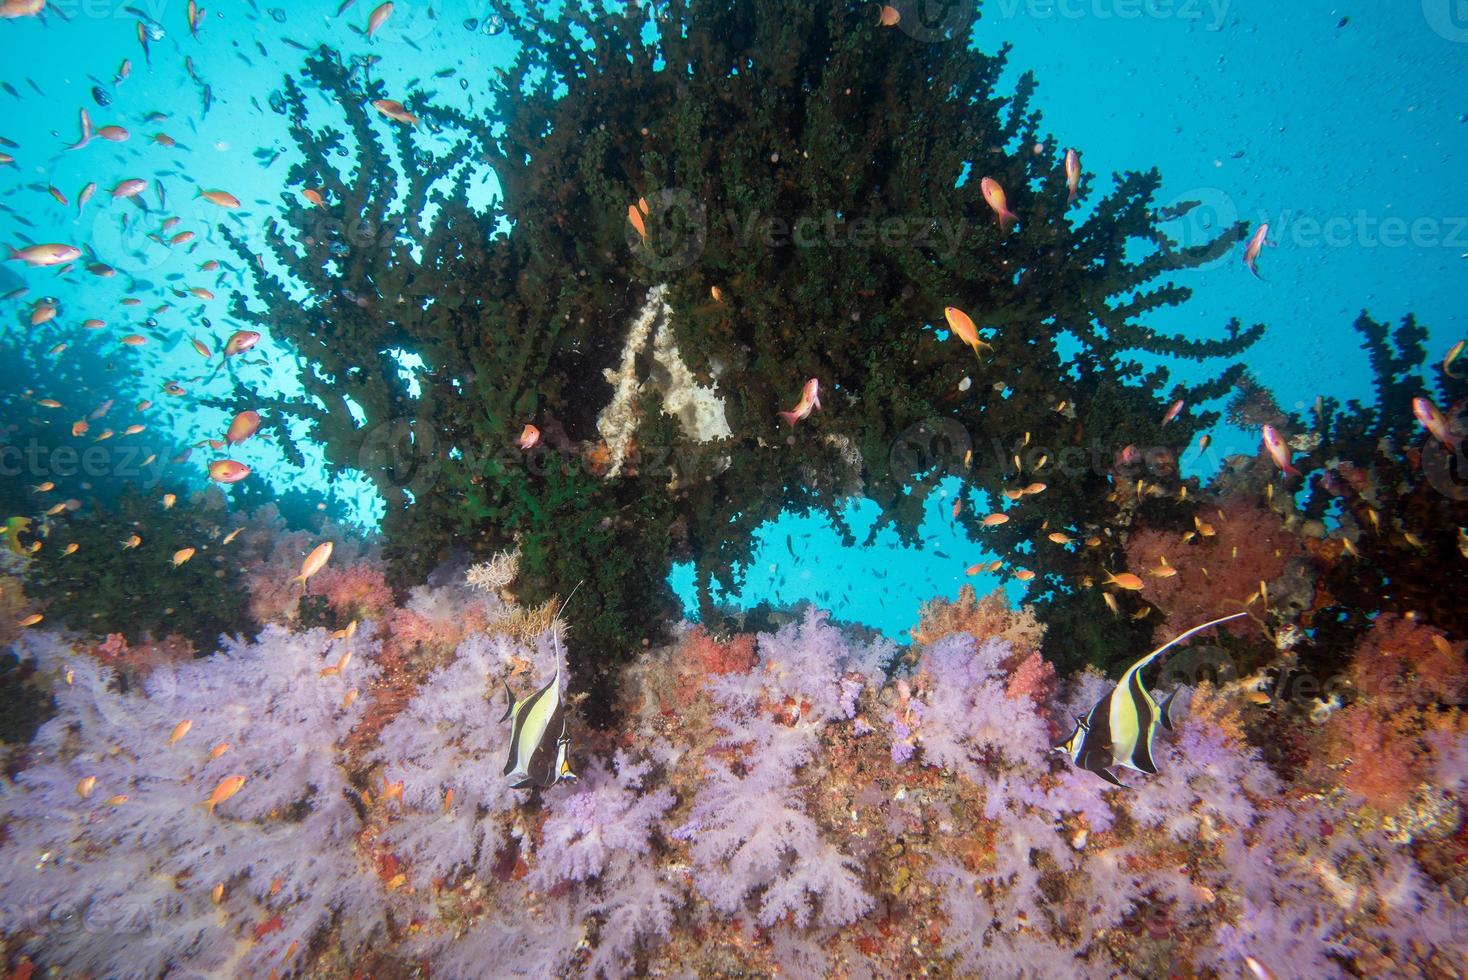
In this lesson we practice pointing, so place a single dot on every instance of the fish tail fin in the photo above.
(509, 702)
(1007, 221)
(1072, 199)
(790, 417)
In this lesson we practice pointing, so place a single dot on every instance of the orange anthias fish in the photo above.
(1255, 246)
(634, 217)
(963, 327)
(378, 18)
(227, 471)
(228, 786)
(179, 731)
(994, 194)
(810, 399)
(240, 341)
(1173, 412)
(889, 16)
(395, 111)
(1435, 422)
(1125, 580)
(49, 254)
(314, 562)
(529, 437)
(181, 556)
(1279, 450)
(1073, 174)
(245, 425)
(222, 199)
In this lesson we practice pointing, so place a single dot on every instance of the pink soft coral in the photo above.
(1217, 569)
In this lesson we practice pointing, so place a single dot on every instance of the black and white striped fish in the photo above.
(538, 739)
(1119, 730)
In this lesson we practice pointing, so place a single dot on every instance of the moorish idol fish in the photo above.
(1119, 730)
(538, 738)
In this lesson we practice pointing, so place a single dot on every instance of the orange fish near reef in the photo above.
(395, 111)
(994, 194)
(889, 16)
(1435, 422)
(810, 398)
(634, 217)
(228, 786)
(240, 341)
(227, 471)
(1126, 580)
(222, 199)
(179, 731)
(529, 437)
(245, 424)
(1255, 246)
(1279, 450)
(1073, 174)
(181, 556)
(963, 328)
(46, 255)
(314, 562)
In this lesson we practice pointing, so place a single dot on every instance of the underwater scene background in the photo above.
(733, 488)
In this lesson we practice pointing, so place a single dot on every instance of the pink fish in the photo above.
(1073, 174)
(378, 18)
(86, 121)
(129, 188)
(240, 341)
(1173, 412)
(1435, 422)
(46, 255)
(994, 194)
(245, 425)
(810, 398)
(1256, 245)
(529, 437)
(1279, 450)
(227, 471)
(12, 9)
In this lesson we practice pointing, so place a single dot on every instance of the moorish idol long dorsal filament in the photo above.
(1119, 730)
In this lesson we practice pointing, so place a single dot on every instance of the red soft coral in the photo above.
(1402, 663)
(1218, 569)
(355, 591)
(1381, 763)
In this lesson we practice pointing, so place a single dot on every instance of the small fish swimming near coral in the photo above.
(999, 202)
(1279, 450)
(963, 328)
(1072, 175)
(314, 562)
(1436, 423)
(1120, 729)
(810, 398)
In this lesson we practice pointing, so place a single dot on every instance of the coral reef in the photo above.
(750, 815)
(654, 363)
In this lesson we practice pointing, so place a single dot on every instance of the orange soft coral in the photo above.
(1233, 549)
(1378, 761)
(1401, 663)
(355, 591)
(983, 618)
(733, 656)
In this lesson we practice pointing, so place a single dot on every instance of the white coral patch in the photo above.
(699, 410)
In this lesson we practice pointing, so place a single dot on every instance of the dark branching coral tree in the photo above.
(864, 144)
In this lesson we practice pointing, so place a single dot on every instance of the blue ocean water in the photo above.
(1332, 122)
